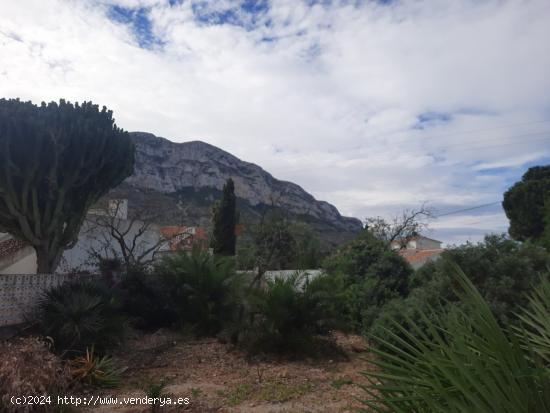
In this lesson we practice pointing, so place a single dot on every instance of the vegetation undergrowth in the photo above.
(79, 315)
(286, 315)
(462, 360)
(201, 289)
(95, 370)
(502, 270)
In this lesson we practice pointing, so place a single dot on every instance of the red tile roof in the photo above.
(10, 246)
(414, 256)
(417, 237)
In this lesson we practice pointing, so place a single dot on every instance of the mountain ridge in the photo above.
(181, 170)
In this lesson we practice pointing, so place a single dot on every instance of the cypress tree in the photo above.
(224, 219)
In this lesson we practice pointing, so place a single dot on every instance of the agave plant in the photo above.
(461, 360)
(95, 370)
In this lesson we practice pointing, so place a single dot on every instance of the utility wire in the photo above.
(501, 140)
(467, 209)
(456, 133)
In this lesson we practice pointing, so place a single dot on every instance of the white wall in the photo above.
(428, 244)
(92, 237)
(22, 262)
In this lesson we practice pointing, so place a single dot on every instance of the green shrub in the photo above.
(156, 391)
(78, 315)
(144, 299)
(371, 275)
(501, 269)
(278, 243)
(465, 362)
(402, 310)
(201, 289)
(286, 314)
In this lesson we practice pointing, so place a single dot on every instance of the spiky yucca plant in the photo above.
(95, 370)
(464, 361)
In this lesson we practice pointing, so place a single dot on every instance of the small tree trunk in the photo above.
(46, 262)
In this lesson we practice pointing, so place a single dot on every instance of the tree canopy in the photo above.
(278, 242)
(372, 274)
(56, 160)
(224, 220)
(527, 206)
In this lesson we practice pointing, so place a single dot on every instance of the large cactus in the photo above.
(55, 161)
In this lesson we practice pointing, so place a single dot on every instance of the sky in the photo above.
(373, 106)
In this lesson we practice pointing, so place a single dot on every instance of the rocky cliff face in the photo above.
(190, 167)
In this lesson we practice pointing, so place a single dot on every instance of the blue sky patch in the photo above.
(246, 14)
(495, 171)
(138, 20)
(428, 119)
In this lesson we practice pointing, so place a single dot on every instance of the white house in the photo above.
(418, 242)
(96, 237)
(418, 250)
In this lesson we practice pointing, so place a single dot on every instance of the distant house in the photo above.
(16, 257)
(418, 250)
(96, 237)
(147, 240)
(418, 242)
(183, 238)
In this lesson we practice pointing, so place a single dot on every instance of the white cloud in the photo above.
(485, 222)
(332, 102)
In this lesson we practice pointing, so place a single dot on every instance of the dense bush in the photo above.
(201, 289)
(286, 314)
(462, 360)
(371, 275)
(501, 269)
(144, 299)
(278, 243)
(78, 315)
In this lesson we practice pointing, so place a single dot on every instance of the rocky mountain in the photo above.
(183, 179)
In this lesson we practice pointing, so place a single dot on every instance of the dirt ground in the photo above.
(216, 377)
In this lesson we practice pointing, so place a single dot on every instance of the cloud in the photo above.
(372, 106)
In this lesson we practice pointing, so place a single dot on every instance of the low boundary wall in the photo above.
(20, 293)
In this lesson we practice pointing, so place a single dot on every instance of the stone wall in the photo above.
(20, 293)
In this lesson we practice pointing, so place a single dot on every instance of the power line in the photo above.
(467, 209)
(458, 132)
(502, 141)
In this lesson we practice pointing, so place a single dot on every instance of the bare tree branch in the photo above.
(410, 223)
(131, 236)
